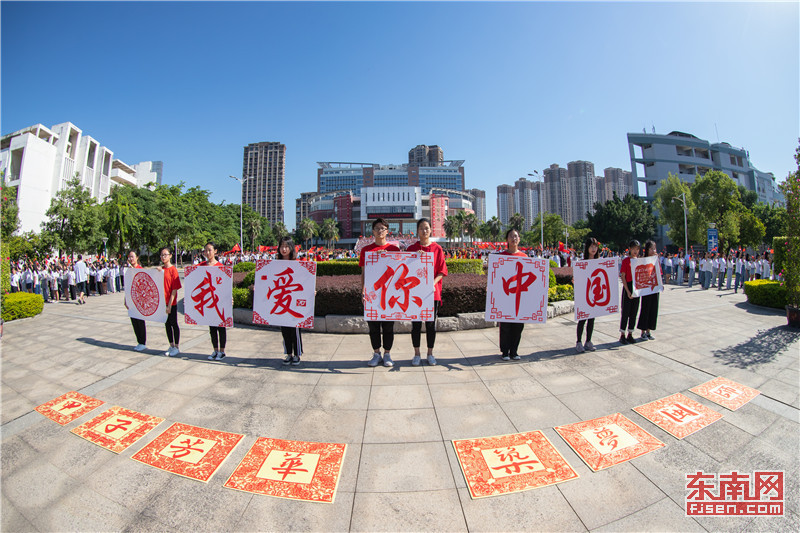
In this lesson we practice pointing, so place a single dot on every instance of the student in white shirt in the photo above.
(691, 264)
(722, 268)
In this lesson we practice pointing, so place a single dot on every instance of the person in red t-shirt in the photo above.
(630, 305)
(378, 328)
(439, 271)
(511, 332)
(172, 282)
(219, 334)
(139, 327)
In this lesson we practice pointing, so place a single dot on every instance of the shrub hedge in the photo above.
(464, 266)
(560, 292)
(5, 277)
(21, 305)
(249, 279)
(338, 268)
(563, 274)
(243, 298)
(765, 292)
(247, 266)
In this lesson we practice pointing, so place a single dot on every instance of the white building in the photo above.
(39, 161)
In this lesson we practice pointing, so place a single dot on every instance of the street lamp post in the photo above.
(685, 225)
(105, 250)
(541, 211)
(241, 203)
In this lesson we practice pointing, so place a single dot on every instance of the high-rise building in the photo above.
(526, 200)
(582, 190)
(426, 156)
(264, 170)
(480, 204)
(556, 193)
(505, 203)
(301, 206)
(614, 180)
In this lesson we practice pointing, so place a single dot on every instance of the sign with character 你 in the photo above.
(284, 293)
(398, 286)
(596, 288)
(208, 299)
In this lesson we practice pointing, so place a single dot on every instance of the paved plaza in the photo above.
(400, 471)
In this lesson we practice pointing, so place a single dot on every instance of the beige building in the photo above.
(264, 172)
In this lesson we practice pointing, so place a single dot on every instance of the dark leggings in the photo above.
(430, 329)
(292, 342)
(589, 329)
(173, 331)
(375, 328)
(510, 336)
(140, 330)
(219, 336)
(630, 307)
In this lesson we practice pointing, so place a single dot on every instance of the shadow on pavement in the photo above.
(758, 310)
(760, 349)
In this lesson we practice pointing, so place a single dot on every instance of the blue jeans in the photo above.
(737, 282)
(691, 278)
(679, 280)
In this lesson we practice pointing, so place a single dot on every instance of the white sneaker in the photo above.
(168, 353)
(376, 360)
(140, 348)
(213, 356)
(431, 360)
(589, 346)
(416, 360)
(579, 347)
(174, 350)
(387, 360)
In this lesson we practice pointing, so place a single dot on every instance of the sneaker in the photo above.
(579, 347)
(505, 357)
(220, 356)
(630, 339)
(589, 346)
(376, 360)
(287, 360)
(174, 350)
(168, 353)
(213, 356)
(431, 360)
(650, 336)
(416, 360)
(644, 336)
(387, 360)
(296, 360)
(140, 348)
(622, 339)
(515, 357)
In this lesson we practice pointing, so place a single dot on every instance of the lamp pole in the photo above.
(541, 210)
(685, 225)
(241, 202)
(105, 250)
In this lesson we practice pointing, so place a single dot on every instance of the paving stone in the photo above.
(404, 467)
(437, 510)
(331, 397)
(592, 403)
(720, 440)
(318, 425)
(11, 519)
(540, 413)
(473, 421)
(461, 394)
(408, 425)
(294, 515)
(400, 397)
(664, 515)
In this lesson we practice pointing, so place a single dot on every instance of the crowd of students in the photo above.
(64, 280)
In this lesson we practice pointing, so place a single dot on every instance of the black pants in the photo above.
(219, 336)
(101, 286)
(649, 314)
(140, 330)
(430, 329)
(510, 336)
(387, 329)
(173, 331)
(630, 306)
(72, 295)
(589, 329)
(292, 341)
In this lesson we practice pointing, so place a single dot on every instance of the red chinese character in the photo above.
(205, 296)
(121, 424)
(678, 412)
(734, 486)
(646, 276)
(283, 288)
(403, 283)
(183, 451)
(607, 437)
(518, 283)
(71, 405)
(516, 461)
(598, 290)
(766, 482)
(290, 465)
(700, 487)
(726, 391)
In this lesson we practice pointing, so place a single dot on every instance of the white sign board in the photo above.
(144, 294)
(516, 289)
(284, 293)
(208, 299)
(398, 286)
(596, 287)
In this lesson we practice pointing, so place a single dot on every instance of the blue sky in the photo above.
(508, 87)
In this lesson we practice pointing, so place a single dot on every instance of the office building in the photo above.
(582, 190)
(39, 161)
(301, 206)
(426, 156)
(479, 205)
(264, 171)
(341, 176)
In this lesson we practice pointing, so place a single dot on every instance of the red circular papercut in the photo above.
(144, 294)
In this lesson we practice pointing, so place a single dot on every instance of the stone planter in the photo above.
(793, 316)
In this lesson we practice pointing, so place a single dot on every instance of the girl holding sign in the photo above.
(511, 332)
(649, 313)
(630, 304)
(172, 282)
(292, 342)
(439, 271)
(219, 334)
(139, 329)
(378, 328)
(590, 249)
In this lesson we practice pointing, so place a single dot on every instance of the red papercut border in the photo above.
(650, 412)
(47, 408)
(479, 479)
(203, 470)
(322, 489)
(704, 390)
(89, 430)
(571, 433)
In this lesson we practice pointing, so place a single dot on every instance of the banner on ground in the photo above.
(596, 287)
(284, 293)
(144, 294)
(398, 286)
(516, 289)
(646, 276)
(208, 297)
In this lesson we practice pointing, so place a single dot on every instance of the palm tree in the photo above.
(123, 217)
(495, 228)
(280, 231)
(451, 228)
(306, 230)
(516, 222)
(329, 231)
(254, 226)
(460, 217)
(470, 225)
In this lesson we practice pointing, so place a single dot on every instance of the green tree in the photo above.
(253, 226)
(460, 217)
(577, 236)
(670, 210)
(717, 199)
(773, 217)
(619, 220)
(122, 220)
(470, 225)
(329, 231)
(553, 228)
(451, 228)
(9, 221)
(73, 219)
(516, 222)
(494, 229)
(307, 229)
(751, 229)
(748, 198)
(279, 231)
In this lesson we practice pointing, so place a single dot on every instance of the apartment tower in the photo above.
(264, 170)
